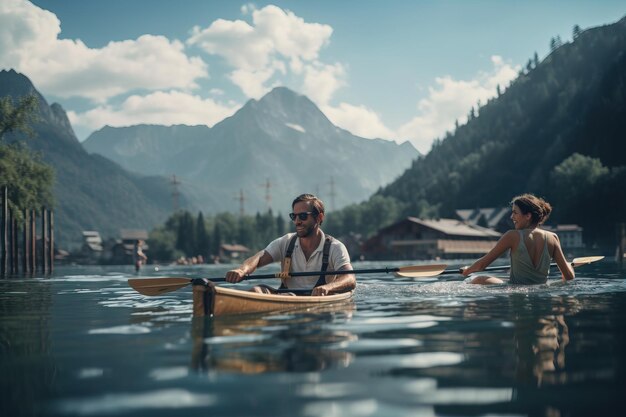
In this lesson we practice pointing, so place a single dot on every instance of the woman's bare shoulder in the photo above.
(550, 235)
(511, 234)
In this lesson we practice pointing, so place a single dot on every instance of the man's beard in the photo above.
(307, 231)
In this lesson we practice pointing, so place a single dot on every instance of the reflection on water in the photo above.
(540, 344)
(83, 343)
(254, 345)
(25, 343)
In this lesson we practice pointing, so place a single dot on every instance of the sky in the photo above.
(396, 70)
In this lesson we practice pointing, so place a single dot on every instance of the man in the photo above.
(307, 250)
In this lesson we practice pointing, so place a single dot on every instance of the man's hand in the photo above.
(321, 290)
(235, 275)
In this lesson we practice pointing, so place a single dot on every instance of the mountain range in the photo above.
(265, 154)
(262, 157)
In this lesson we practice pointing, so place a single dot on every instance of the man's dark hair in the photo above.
(317, 206)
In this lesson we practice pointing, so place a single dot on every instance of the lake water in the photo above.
(83, 343)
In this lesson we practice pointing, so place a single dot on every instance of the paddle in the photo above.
(158, 286)
(575, 263)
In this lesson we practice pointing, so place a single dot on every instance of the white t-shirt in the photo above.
(337, 258)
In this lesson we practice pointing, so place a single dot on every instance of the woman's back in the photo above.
(530, 258)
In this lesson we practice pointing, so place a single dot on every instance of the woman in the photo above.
(531, 248)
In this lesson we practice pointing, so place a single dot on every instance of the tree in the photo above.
(555, 43)
(280, 225)
(559, 42)
(162, 243)
(576, 31)
(246, 231)
(577, 174)
(28, 179)
(18, 118)
(203, 242)
(216, 242)
(573, 180)
(186, 236)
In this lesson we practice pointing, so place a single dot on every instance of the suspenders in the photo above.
(325, 256)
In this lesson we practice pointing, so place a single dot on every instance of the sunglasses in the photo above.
(302, 216)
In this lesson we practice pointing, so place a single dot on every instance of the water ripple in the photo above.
(126, 402)
(127, 329)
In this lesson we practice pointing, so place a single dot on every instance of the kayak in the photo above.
(212, 300)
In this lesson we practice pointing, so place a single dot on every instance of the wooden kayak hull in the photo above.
(212, 300)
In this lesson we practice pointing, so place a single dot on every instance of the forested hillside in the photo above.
(558, 131)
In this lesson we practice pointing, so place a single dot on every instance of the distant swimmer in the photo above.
(139, 257)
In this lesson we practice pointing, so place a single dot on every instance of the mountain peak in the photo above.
(283, 107)
(15, 84)
(284, 100)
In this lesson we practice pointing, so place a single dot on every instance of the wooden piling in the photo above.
(44, 241)
(16, 241)
(4, 241)
(33, 243)
(14, 246)
(25, 248)
(10, 242)
(51, 241)
(621, 243)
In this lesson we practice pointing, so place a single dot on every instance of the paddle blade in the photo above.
(586, 260)
(157, 286)
(420, 271)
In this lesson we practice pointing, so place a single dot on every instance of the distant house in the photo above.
(91, 251)
(414, 238)
(233, 251)
(92, 242)
(123, 249)
(570, 235)
(498, 219)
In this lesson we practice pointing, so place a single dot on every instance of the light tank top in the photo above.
(522, 269)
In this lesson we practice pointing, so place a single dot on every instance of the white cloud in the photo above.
(321, 81)
(163, 108)
(277, 41)
(358, 120)
(24, 25)
(235, 41)
(65, 68)
(290, 35)
(452, 100)
(274, 33)
(252, 83)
